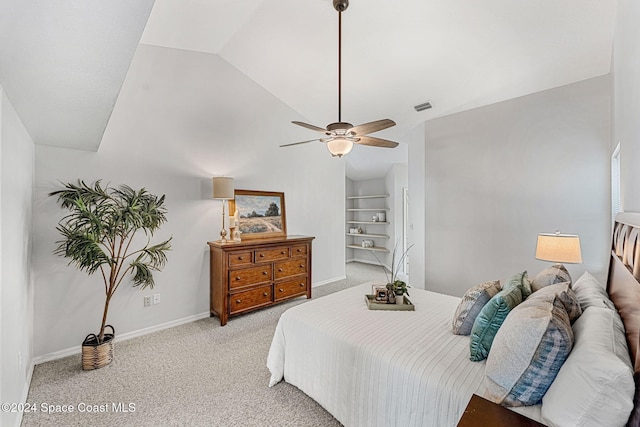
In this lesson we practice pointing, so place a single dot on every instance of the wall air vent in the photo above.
(422, 107)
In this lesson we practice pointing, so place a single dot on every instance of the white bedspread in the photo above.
(366, 373)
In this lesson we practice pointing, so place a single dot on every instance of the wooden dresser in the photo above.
(252, 274)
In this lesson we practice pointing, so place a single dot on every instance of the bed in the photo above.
(390, 368)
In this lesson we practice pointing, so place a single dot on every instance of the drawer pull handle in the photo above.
(240, 258)
(299, 250)
(238, 278)
(302, 285)
(282, 252)
(265, 294)
(281, 290)
(238, 301)
(264, 273)
(261, 255)
(280, 269)
(301, 265)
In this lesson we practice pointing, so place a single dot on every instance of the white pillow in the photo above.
(595, 385)
(591, 293)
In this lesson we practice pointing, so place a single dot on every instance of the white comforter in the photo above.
(377, 368)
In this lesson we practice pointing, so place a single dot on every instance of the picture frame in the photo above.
(380, 294)
(261, 214)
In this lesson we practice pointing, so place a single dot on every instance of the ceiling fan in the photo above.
(340, 136)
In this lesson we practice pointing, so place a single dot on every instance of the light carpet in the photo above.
(197, 374)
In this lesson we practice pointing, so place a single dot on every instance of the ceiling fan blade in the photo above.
(376, 142)
(301, 142)
(372, 127)
(308, 126)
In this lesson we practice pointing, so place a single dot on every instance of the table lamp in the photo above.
(223, 190)
(559, 248)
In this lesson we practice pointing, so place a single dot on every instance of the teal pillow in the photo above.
(490, 319)
(521, 280)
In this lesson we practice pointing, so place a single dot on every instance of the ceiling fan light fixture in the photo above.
(339, 147)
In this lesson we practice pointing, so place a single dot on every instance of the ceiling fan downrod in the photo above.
(340, 6)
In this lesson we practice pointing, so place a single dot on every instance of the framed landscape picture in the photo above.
(260, 214)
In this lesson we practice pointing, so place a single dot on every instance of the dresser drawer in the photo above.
(290, 268)
(241, 301)
(249, 276)
(298, 250)
(240, 258)
(274, 254)
(290, 288)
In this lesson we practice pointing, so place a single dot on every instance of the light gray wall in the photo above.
(626, 83)
(16, 291)
(145, 145)
(498, 175)
(417, 221)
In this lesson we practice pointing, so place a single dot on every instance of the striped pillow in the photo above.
(471, 304)
(528, 351)
(557, 273)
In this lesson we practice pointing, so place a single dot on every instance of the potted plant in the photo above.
(396, 287)
(100, 233)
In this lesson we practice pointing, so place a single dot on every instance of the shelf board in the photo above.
(368, 222)
(378, 236)
(367, 209)
(374, 249)
(375, 196)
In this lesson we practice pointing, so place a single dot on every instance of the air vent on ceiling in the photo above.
(422, 107)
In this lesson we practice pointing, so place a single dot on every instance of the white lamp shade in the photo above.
(559, 248)
(339, 147)
(223, 187)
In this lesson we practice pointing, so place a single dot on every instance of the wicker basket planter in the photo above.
(94, 355)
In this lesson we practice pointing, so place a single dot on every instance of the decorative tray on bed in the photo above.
(374, 305)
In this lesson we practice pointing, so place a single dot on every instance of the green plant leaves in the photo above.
(100, 229)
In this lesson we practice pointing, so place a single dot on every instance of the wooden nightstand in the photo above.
(481, 412)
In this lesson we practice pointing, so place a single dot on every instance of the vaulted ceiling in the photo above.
(62, 63)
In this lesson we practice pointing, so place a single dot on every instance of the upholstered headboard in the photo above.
(623, 286)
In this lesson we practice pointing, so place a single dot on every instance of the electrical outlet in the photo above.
(156, 298)
(147, 301)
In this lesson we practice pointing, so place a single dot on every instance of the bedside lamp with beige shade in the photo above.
(559, 248)
(223, 190)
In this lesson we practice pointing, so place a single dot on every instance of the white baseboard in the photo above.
(324, 282)
(123, 337)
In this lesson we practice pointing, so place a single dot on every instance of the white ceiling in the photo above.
(457, 54)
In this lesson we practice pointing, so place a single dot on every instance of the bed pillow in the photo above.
(471, 304)
(490, 319)
(527, 352)
(591, 293)
(555, 274)
(565, 294)
(595, 385)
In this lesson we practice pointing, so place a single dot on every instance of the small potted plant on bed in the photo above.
(98, 235)
(396, 287)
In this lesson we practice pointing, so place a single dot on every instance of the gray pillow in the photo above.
(591, 293)
(557, 273)
(527, 352)
(471, 304)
